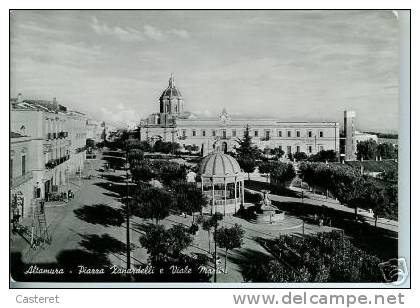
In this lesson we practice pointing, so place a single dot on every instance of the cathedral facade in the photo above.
(173, 123)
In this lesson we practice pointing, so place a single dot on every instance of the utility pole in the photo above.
(301, 190)
(215, 253)
(127, 211)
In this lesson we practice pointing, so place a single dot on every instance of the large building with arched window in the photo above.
(173, 123)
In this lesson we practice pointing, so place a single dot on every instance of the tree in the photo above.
(135, 157)
(179, 239)
(278, 152)
(229, 238)
(152, 203)
(156, 242)
(142, 172)
(171, 172)
(336, 178)
(267, 167)
(282, 172)
(248, 165)
(386, 151)
(377, 201)
(324, 156)
(214, 221)
(323, 257)
(367, 150)
(299, 156)
(352, 194)
(206, 224)
(161, 243)
(266, 151)
(188, 197)
(145, 146)
(247, 153)
(246, 149)
(166, 147)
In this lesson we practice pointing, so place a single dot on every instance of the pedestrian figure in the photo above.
(41, 209)
(321, 221)
(15, 219)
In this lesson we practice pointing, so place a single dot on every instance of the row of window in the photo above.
(255, 133)
(309, 149)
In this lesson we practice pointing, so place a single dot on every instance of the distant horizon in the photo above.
(286, 65)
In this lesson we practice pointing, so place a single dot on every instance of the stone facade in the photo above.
(21, 179)
(224, 131)
(57, 141)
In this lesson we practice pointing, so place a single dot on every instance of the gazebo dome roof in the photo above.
(220, 166)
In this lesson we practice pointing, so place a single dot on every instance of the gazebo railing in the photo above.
(219, 194)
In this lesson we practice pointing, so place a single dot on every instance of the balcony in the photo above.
(266, 138)
(52, 163)
(63, 135)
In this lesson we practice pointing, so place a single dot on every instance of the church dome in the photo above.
(171, 91)
(219, 165)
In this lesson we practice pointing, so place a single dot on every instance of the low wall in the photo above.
(265, 218)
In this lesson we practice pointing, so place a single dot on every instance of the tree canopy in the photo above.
(161, 243)
(152, 203)
(247, 150)
(229, 238)
(367, 150)
(166, 147)
(323, 257)
(282, 172)
(188, 197)
(324, 156)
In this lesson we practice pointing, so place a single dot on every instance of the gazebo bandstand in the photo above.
(222, 182)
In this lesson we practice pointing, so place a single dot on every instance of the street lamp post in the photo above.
(215, 254)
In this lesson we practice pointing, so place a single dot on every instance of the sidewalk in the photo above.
(322, 201)
(54, 210)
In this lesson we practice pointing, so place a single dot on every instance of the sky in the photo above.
(290, 65)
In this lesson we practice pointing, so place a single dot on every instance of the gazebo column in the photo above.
(236, 201)
(243, 192)
(212, 195)
(224, 208)
(202, 192)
